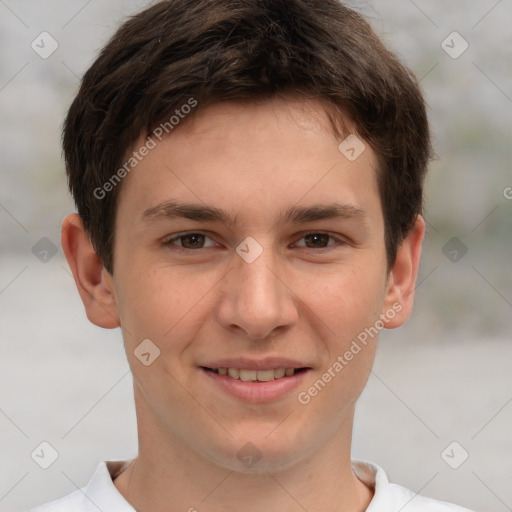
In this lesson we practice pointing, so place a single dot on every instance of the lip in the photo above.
(268, 363)
(256, 392)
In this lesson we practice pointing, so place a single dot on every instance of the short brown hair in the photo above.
(215, 50)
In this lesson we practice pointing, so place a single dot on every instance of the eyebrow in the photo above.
(169, 210)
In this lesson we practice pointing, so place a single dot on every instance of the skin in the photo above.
(301, 298)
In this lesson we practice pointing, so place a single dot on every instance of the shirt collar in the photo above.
(104, 494)
(101, 489)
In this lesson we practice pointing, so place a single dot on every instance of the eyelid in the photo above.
(175, 236)
(339, 240)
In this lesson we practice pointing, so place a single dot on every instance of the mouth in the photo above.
(256, 375)
(267, 383)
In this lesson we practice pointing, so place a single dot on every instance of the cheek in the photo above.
(163, 303)
(347, 300)
(349, 303)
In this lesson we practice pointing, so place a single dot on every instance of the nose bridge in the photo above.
(259, 301)
(258, 270)
(256, 284)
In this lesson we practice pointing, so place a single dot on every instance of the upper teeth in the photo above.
(261, 375)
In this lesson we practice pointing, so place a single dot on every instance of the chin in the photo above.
(255, 454)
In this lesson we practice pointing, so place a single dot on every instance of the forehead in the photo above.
(252, 157)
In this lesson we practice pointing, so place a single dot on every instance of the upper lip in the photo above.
(269, 363)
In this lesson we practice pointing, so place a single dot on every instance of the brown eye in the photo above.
(192, 241)
(317, 240)
(189, 241)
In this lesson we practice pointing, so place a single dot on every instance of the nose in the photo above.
(257, 300)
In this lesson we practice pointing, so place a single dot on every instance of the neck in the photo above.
(170, 476)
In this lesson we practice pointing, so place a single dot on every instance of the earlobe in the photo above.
(402, 278)
(94, 283)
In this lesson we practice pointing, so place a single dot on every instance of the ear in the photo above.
(94, 283)
(401, 283)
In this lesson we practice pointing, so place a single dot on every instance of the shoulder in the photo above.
(390, 497)
(412, 502)
(75, 502)
(99, 494)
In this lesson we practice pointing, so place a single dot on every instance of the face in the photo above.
(247, 240)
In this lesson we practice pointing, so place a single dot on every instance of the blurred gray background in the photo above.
(441, 389)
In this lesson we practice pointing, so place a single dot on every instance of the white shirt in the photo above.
(101, 493)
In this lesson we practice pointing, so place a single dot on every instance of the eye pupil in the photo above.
(316, 237)
(194, 237)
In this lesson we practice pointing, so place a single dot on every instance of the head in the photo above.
(241, 109)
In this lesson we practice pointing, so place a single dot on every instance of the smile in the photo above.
(256, 375)
(255, 386)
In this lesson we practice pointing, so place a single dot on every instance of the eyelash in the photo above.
(169, 242)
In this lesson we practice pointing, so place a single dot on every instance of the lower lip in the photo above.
(256, 392)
